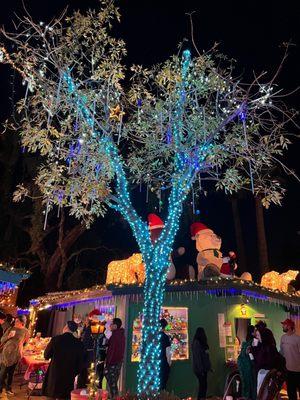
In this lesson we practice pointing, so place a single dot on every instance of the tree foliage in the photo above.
(230, 133)
(101, 128)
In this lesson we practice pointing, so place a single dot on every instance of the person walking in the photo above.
(165, 355)
(12, 343)
(246, 367)
(115, 356)
(290, 349)
(201, 361)
(67, 357)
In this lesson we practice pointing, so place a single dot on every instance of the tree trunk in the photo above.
(149, 366)
(242, 263)
(263, 260)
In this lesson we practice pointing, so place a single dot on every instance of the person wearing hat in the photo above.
(67, 358)
(290, 349)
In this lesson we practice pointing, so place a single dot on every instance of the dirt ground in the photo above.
(21, 391)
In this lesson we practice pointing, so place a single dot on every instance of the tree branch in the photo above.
(78, 252)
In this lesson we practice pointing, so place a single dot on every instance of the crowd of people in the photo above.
(259, 355)
(74, 352)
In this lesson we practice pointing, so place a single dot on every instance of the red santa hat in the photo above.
(196, 228)
(94, 313)
(155, 222)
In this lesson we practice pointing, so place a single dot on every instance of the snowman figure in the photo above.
(208, 244)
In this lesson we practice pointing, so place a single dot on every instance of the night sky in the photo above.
(250, 32)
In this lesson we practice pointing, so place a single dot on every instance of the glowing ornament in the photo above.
(129, 271)
(286, 278)
(270, 280)
(275, 281)
(246, 276)
(116, 113)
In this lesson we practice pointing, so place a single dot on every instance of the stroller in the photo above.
(269, 389)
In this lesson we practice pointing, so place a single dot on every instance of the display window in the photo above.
(177, 330)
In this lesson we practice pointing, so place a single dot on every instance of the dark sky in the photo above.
(250, 32)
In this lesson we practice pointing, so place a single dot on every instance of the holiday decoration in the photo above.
(116, 113)
(229, 265)
(93, 382)
(156, 226)
(246, 276)
(208, 244)
(131, 270)
(177, 330)
(274, 280)
(189, 121)
(9, 281)
(287, 278)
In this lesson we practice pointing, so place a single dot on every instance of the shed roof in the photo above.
(11, 277)
(213, 286)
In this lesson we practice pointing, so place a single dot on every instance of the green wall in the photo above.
(203, 311)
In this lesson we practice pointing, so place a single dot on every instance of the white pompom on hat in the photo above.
(155, 222)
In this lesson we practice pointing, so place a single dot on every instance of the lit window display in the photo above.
(177, 329)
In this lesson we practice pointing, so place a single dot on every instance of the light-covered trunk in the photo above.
(149, 366)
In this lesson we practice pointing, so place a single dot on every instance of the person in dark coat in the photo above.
(114, 357)
(201, 361)
(266, 355)
(246, 367)
(88, 345)
(165, 355)
(67, 359)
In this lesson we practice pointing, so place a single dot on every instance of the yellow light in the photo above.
(129, 271)
(243, 309)
(275, 281)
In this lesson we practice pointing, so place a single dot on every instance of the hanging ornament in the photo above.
(120, 127)
(139, 105)
(46, 215)
(116, 113)
(193, 199)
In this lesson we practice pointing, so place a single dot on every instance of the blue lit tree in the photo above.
(168, 128)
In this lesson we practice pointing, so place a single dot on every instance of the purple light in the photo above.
(255, 295)
(22, 311)
(72, 303)
(169, 135)
(97, 170)
(243, 114)
(71, 154)
(76, 126)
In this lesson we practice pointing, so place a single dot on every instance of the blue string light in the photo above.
(155, 256)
